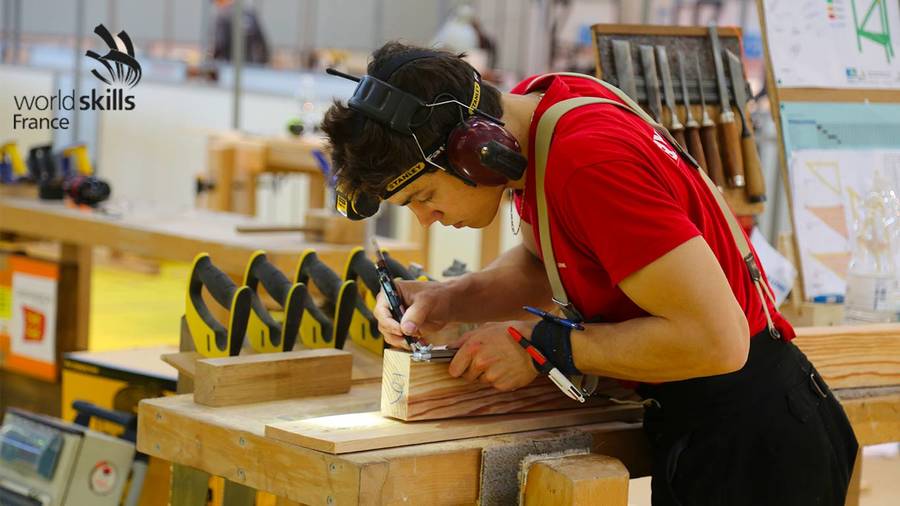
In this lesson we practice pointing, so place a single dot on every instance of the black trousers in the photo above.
(769, 434)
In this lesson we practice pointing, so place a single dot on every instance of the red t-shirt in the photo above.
(619, 197)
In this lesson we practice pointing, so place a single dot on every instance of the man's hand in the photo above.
(490, 355)
(427, 304)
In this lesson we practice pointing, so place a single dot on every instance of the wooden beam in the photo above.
(366, 365)
(576, 480)
(413, 390)
(174, 235)
(273, 376)
(874, 414)
(854, 356)
(370, 431)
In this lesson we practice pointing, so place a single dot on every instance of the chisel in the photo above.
(651, 82)
(756, 185)
(734, 162)
(624, 67)
(708, 136)
(675, 126)
(691, 127)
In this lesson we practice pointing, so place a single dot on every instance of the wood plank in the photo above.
(413, 390)
(189, 487)
(853, 356)
(445, 473)
(369, 431)
(663, 30)
(854, 96)
(74, 304)
(249, 379)
(874, 414)
(229, 442)
(366, 366)
(576, 480)
(175, 235)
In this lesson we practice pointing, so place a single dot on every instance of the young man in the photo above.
(738, 416)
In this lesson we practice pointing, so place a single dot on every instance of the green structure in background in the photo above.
(882, 37)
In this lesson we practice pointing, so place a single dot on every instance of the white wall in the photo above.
(23, 81)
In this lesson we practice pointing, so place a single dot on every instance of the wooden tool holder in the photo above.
(695, 44)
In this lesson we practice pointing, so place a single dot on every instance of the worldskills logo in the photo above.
(122, 69)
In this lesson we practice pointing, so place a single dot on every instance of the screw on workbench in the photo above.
(241, 441)
(159, 416)
(332, 467)
(157, 446)
(329, 500)
(241, 475)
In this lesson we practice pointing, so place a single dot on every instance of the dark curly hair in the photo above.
(366, 159)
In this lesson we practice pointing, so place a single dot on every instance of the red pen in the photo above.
(545, 367)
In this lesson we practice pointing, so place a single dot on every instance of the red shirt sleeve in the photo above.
(623, 214)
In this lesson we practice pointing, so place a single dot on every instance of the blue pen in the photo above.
(555, 319)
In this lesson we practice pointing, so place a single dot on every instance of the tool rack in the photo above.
(694, 43)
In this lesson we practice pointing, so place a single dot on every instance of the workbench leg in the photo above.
(190, 487)
(74, 299)
(577, 480)
(317, 192)
(855, 481)
(236, 494)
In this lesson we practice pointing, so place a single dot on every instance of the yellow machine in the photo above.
(77, 158)
(12, 165)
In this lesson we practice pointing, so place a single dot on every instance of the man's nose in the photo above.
(426, 215)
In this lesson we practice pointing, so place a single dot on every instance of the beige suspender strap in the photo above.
(544, 137)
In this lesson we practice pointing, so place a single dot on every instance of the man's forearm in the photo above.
(654, 349)
(499, 291)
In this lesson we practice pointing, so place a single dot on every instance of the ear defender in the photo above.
(485, 152)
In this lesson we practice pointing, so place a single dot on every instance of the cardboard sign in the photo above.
(32, 324)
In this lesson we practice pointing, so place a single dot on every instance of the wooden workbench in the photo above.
(231, 442)
(152, 232)
(235, 160)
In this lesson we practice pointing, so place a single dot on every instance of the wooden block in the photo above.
(249, 155)
(370, 431)
(874, 414)
(29, 191)
(334, 228)
(853, 356)
(366, 366)
(425, 391)
(268, 377)
(809, 314)
(577, 480)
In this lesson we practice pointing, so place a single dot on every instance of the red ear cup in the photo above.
(471, 149)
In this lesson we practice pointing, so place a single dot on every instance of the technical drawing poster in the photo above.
(828, 188)
(834, 43)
